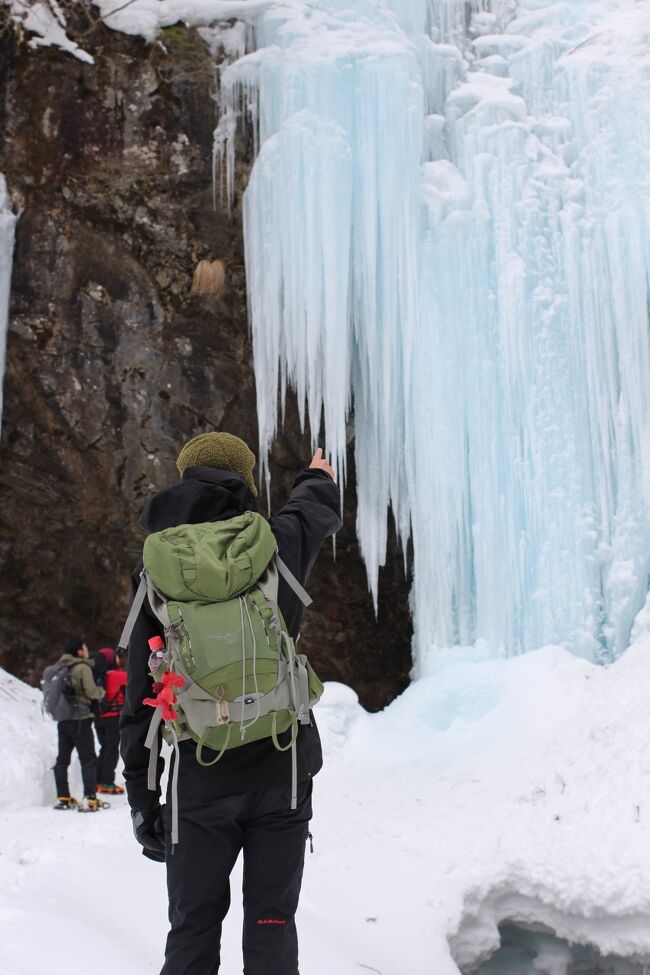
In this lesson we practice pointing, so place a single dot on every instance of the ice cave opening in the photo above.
(535, 950)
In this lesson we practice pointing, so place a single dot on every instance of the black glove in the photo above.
(149, 832)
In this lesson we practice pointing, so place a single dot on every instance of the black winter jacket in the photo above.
(300, 528)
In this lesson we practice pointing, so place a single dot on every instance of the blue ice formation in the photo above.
(7, 226)
(447, 232)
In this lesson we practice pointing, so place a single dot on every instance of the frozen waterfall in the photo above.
(447, 231)
(7, 225)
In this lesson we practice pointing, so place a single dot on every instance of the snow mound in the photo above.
(27, 745)
(494, 790)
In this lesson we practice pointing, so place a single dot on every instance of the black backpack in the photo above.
(100, 668)
(59, 698)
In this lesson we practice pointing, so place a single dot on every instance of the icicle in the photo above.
(7, 227)
(447, 231)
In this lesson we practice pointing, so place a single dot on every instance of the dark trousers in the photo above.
(212, 832)
(108, 733)
(77, 734)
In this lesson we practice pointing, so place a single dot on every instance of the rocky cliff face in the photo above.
(113, 362)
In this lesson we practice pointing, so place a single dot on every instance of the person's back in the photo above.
(115, 686)
(76, 732)
(243, 800)
(108, 720)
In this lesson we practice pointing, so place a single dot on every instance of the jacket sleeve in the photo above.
(89, 689)
(136, 716)
(311, 515)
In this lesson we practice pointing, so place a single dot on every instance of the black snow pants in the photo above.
(212, 832)
(108, 733)
(78, 734)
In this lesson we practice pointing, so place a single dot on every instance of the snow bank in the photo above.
(491, 790)
(27, 746)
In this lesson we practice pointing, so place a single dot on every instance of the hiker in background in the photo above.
(101, 663)
(76, 731)
(251, 797)
(107, 723)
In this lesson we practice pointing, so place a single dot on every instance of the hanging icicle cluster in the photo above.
(447, 231)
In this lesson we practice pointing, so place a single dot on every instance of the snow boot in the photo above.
(91, 804)
(110, 790)
(66, 802)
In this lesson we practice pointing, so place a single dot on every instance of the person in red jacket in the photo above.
(107, 723)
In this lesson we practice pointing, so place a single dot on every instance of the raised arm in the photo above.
(311, 515)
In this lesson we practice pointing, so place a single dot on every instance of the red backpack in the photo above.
(114, 685)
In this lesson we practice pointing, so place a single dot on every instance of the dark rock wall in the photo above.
(112, 361)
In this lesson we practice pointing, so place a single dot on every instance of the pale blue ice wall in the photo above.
(7, 226)
(447, 227)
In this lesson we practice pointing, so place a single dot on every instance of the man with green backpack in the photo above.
(214, 669)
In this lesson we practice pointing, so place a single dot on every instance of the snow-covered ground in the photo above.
(491, 789)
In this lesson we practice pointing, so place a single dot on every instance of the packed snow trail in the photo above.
(491, 789)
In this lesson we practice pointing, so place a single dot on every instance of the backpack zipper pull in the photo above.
(311, 842)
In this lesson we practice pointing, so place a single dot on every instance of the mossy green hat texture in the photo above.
(221, 450)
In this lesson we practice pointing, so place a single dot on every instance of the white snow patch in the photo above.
(47, 25)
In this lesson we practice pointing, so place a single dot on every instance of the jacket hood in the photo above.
(204, 494)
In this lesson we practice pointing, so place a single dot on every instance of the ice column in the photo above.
(7, 225)
(532, 490)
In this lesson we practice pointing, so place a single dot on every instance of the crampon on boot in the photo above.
(66, 802)
(91, 804)
(110, 790)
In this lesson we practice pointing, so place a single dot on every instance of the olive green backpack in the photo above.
(227, 673)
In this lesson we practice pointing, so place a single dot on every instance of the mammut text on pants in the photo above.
(211, 834)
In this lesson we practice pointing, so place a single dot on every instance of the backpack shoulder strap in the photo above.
(136, 606)
(292, 582)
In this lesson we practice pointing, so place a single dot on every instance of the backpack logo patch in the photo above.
(230, 637)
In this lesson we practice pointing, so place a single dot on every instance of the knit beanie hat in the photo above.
(220, 450)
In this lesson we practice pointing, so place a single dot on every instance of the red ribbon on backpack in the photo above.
(166, 697)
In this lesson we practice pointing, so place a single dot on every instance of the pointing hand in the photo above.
(318, 463)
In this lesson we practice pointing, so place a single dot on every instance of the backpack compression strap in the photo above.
(138, 599)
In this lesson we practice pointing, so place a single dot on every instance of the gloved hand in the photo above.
(149, 832)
